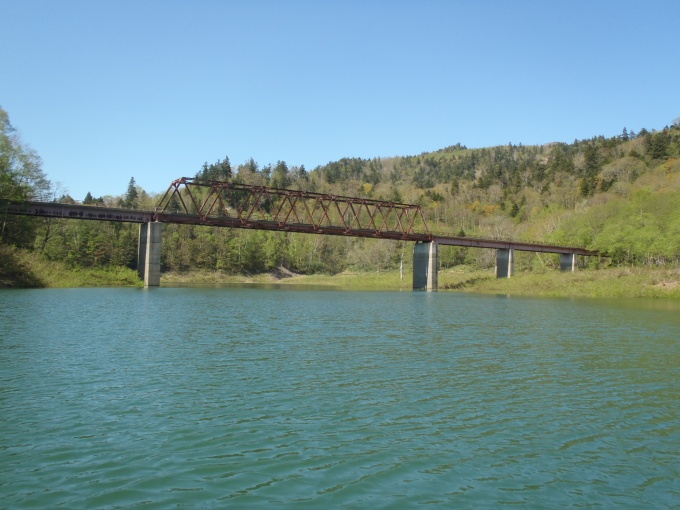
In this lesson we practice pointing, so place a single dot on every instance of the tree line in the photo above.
(614, 194)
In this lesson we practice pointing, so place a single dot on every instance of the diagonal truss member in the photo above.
(230, 204)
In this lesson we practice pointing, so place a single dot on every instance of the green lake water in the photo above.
(247, 397)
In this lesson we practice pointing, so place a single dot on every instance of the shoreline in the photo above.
(23, 269)
(596, 283)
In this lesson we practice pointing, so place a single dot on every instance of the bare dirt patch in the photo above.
(282, 272)
(667, 284)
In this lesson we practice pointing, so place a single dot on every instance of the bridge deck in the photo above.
(498, 244)
(75, 211)
(85, 212)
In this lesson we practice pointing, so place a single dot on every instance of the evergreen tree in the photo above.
(657, 144)
(131, 195)
(280, 177)
(218, 171)
(592, 160)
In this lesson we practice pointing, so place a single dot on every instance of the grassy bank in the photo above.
(26, 269)
(609, 283)
(20, 268)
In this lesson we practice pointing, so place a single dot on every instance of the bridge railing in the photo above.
(246, 206)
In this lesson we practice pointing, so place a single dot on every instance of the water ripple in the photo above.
(334, 399)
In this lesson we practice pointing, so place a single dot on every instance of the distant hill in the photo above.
(618, 195)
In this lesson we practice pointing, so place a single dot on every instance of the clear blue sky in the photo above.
(151, 89)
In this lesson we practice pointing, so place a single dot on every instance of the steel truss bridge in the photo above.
(191, 201)
(231, 204)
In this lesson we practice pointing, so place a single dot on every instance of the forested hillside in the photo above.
(619, 195)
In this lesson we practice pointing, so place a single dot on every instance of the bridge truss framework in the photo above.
(236, 205)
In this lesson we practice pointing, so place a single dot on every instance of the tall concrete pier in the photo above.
(425, 266)
(568, 262)
(505, 263)
(149, 253)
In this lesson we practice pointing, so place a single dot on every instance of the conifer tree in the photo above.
(131, 195)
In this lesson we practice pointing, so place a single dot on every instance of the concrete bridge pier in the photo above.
(568, 262)
(425, 266)
(149, 253)
(505, 263)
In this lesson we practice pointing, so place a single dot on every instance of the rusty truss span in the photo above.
(236, 205)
